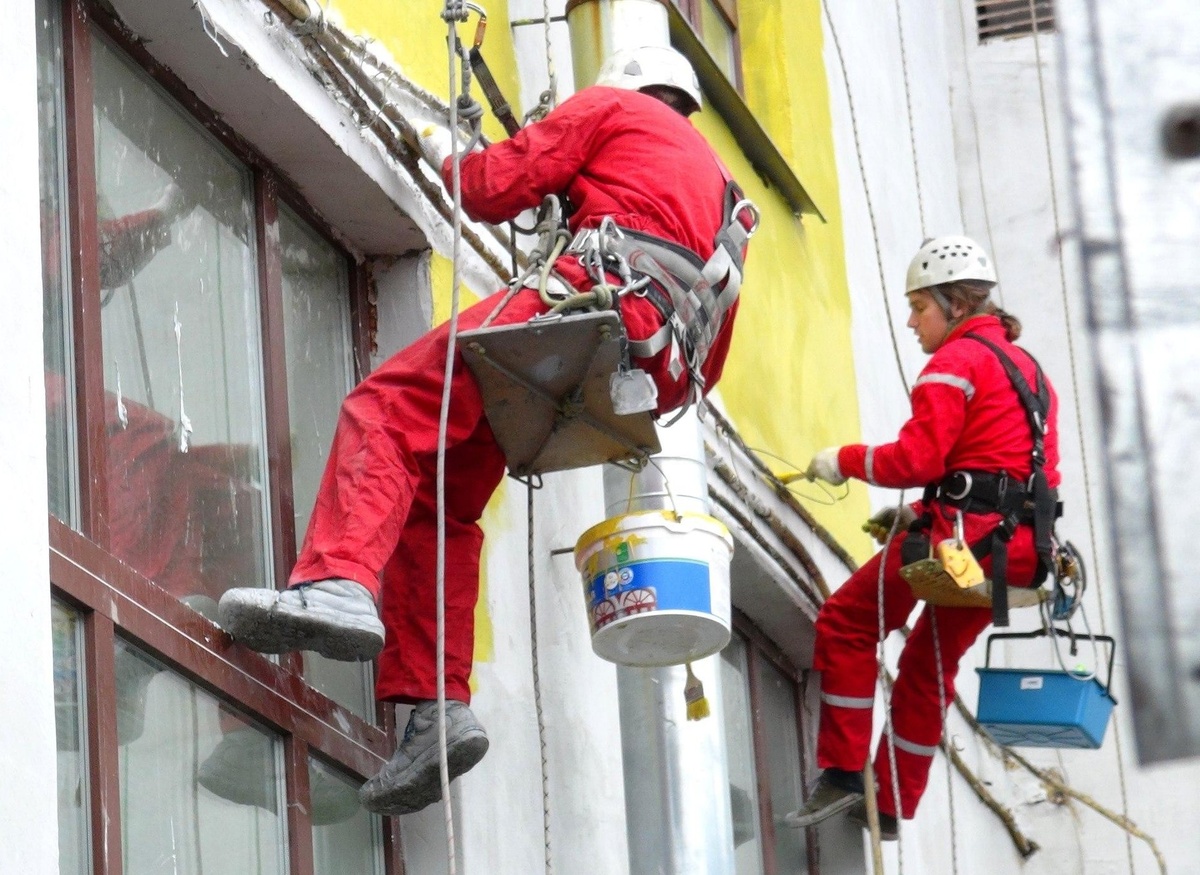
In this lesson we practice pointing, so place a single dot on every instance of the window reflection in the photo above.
(183, 402)
(346, 837)
(171, 820)
(316, 302)
(69, 726)
(778, 709)
(739, 738)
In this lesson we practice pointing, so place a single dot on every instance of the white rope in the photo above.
(537, 683)
(912, 128)
(1087, 480)
(552, 87)
(987, 217)
(888, 728)
(456, 161)
(937, 653)
(862, 170)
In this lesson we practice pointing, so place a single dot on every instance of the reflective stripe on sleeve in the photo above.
(847, 701)
(869, 465)
(921, 750)
(949, 380)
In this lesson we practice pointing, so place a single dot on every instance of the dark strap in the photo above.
(495, 98)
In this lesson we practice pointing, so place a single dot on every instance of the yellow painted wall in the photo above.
(789, 385)
(415, 35)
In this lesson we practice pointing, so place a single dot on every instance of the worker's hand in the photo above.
(880, 525)
(435, 143)
(173, 203)
(824, 466)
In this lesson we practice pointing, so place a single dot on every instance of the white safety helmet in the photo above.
(635, 69)
(948, 260)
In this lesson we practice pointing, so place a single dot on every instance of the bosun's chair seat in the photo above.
(930, 582)
(546, 393)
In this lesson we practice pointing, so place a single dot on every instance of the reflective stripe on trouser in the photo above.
(845, 654)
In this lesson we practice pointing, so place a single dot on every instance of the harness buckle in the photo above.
(957, 495)
(745, 204)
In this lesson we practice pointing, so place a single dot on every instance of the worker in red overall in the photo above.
(970, 443)
(624, 150)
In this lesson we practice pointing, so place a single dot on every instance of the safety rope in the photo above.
(888, 729)
(1087, 480)
(862, 170)
(983, 197)
(537, 680)
(937, 646)
(452, 11)
(912, 128)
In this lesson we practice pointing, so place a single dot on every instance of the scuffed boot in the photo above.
(411, 780)
(335, 618)
(836, 790)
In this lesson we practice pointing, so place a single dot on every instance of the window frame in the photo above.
(109, 596)
(693, 13)
(762, 650)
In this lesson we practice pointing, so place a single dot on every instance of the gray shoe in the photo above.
(834, 793)
(411, 780)
(336, 618)
(241, 768)
(889, 827)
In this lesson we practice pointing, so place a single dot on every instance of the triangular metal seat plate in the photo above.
(545, 386)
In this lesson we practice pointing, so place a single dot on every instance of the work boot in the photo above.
(241, 769)
(836, 790)
(889, 827)
(336, 618)
(412, 778)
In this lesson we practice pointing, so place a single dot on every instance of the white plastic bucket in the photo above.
(656, 587)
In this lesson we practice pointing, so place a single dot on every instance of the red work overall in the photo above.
(966, 416)
(612, 153)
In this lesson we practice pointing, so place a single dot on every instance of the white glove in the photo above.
(435, 143)
(824, 466)
(172, 203)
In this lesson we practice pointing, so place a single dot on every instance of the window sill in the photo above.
(764, 156)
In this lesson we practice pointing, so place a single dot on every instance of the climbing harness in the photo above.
(1033, 502)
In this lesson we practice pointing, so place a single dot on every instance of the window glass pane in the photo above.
(183, 401)
(200, 786)
(69, 725)
(778, 714)
(739, 740)
(346, 837)
(718, 38)
(316, 300)
(61, 472)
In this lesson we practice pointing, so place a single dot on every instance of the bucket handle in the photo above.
(1063, 633)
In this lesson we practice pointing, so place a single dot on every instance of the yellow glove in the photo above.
(880, 525)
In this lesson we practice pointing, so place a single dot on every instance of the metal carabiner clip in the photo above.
(756, 217)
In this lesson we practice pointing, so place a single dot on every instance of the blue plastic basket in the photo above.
(1041, 708)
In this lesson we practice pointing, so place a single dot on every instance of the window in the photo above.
(1001, 18)
(716, 23)
(199, 342)
(764, 739)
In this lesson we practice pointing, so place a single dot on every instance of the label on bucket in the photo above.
(650, 585)
(1032, 682)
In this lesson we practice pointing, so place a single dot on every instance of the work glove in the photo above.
(880, 525)
(824, 466)
(435, 143)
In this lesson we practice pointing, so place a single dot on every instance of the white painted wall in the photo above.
(981, 139)
(29, 807)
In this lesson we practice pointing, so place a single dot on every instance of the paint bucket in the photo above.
(656, 586)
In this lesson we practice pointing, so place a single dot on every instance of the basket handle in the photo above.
(1062, 633)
